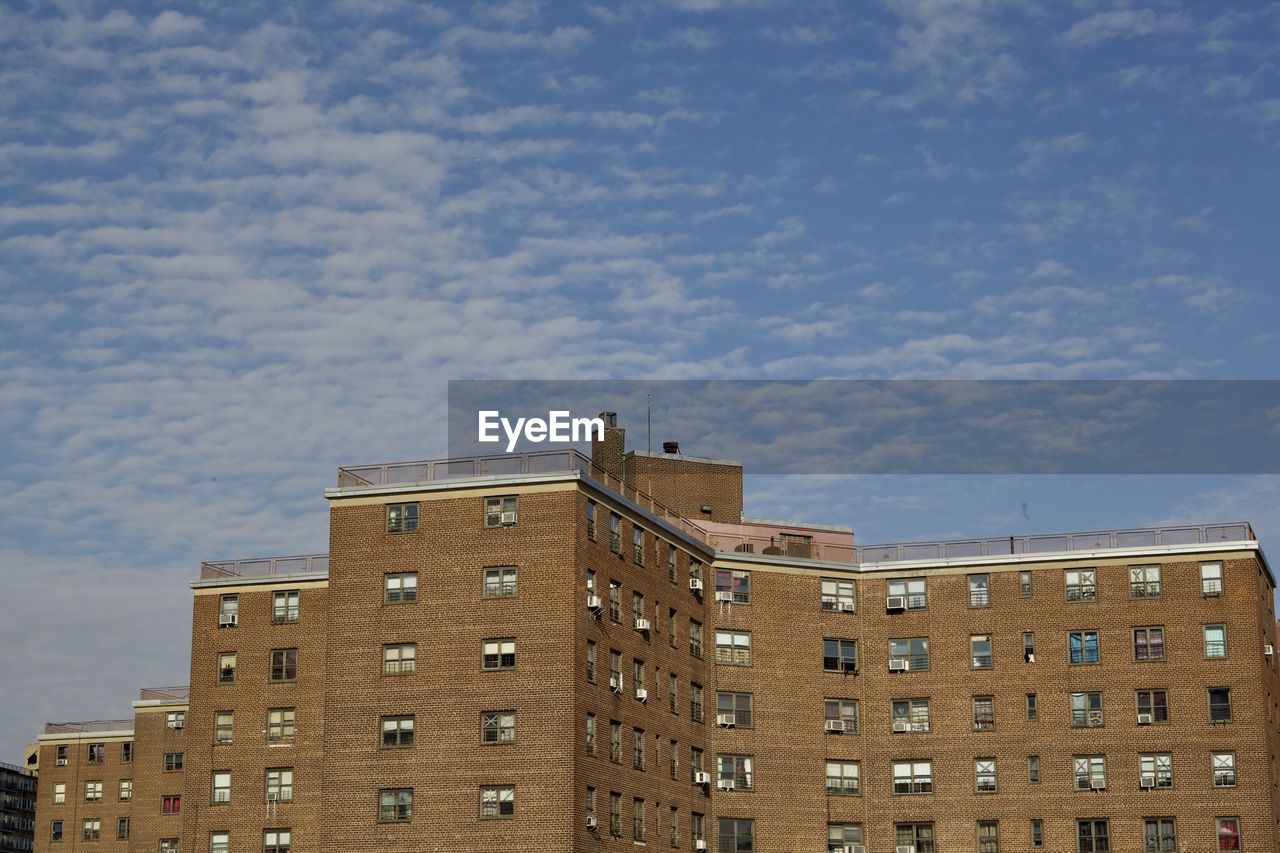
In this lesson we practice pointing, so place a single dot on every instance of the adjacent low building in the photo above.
(536, 652)
(17, 808)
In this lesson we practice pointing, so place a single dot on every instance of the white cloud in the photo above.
(1124, 24)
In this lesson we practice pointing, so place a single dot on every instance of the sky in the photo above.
(244, 243)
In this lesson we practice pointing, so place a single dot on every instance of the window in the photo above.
(1082, 584)
(910, 653)
(126, 789)
(1228, 833)
(695, 828)
(500, 582)
(1160, 834)
(223, 725)
(615, 670)
(733, 648)
(615, 601)
(842, 835)
(591, 661)
(497, 801)
(1083, 646)
(675, 827)
(1219, 704)
(1154, 703)
(1029, 646)
(1024, 584)
(1037, 833)
(913, 777)
(737, 835)
(402, 518)
(92, 829)
(1092, 835)
(1215, 641)
(1144, 581)
(695, 639)
(979, 590)
(168, 845)
(615, 533)
(226, 667)
(284, 664)
(734, 583)
(55, 831)
(984, 713)
(498, 727)
(280, 724)
(637, 607)
(1091, 772)
(980, 651)
(172, 761)
(695, 702)
(395, 804)
(673, 759)
(988, 836)
(93, 792)
(1224, 769)
(591, 734)
(736, 705)
(228, 610)
(219, 842)
(673, 697)
(500, 654)
(591, 519)
(1155, 771)
(911, 591)
(280, 785)
(615, 814)
(984, 770)
(171, 804)
(500, 511)
(172, 720)
(844, 710)
(399, 659)
(910, 715)
(60, 792)
(843, 777)
(637, 748)
(397, 731)
(917, 835)
(401, 588)
(840, 655)
(126, 752)
(284, 606)
(1148, 643)
(222, 787)
(1033, 768)
(695, 569)
(1211, 578)
(122, 828)
(637, 545)
(637, 819)
(673, 638)
(591, 806)
(1086, 709)
(615, 741)
(277, 841)
(837, 595)
(735, 768)
(1033, 710)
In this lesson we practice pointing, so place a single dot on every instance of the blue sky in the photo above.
(241, 244)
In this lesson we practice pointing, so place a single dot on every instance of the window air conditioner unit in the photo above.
(695, 584)
(899, 664)
(836, 726)
(508, 518)
(1147, 781)
(1031, 657)
(701, 777)
(726, 720)
(901, 726)
(847, 606)
(272, 796)
(1145, 719)
(1095, 718)
(61, 762)
(895, 602)
(905, 848)
(591, 821)
(700, 844)
(1097, 785)
(642, 694)
(642, 624)
(725, 784)
(615, 682)
(593, 602)
(855, 848)
(724, 595)
(228, 620)
(1268, 650)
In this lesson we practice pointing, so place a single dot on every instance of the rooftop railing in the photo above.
(1004, 546)
(777, 546)
(87, 727)
(265, 566)
(165, 694)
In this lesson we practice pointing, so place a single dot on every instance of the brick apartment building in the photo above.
(17, 809)
(543, 652)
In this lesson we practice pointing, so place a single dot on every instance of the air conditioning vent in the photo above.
(847, 606)
(726, 720)
(695, 584)
(61, 762)
(642, 694)
(700, 844)
(642, 624)
(900, 726)
(591, 821)
(508, 518)
(616, 683)
(272, 796)
(895, 602)
(1147, 781)
(836, 726)
(1145, 719)
(724, 595)
(593, 603)
(701, 777)
(899, 664)
(725, 784)
(228, 620)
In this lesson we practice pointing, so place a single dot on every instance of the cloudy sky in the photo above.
(241, 244)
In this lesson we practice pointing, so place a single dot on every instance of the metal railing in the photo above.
(265, 566)
(777, 546)
(1003, 546)
(87, 726)
(174, 694)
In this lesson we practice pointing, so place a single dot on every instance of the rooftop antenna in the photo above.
(648, 419)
